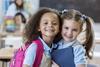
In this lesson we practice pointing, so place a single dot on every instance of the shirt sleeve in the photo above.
(79, 55)
(11, 10)
(30, 54)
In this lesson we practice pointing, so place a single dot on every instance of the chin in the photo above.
(69, 40)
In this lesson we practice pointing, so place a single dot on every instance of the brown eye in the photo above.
(45, 23)
(66, 28)
(75, 30)
(55, 23)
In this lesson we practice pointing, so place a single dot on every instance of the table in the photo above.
(97, 38)
(6, 54)
(15, 41)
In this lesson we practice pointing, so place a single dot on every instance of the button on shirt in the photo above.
(31, 53)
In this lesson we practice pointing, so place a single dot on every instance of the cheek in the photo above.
(62, 29)
(63, 32)
(41, 29)
(58, 28)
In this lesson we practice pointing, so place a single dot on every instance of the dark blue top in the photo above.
(64, 57)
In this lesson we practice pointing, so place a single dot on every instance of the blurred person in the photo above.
(20, 22)
(17, 6)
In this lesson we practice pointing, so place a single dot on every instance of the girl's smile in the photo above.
(70, 30)
(49, 24)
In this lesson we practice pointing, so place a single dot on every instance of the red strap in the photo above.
(39, 53)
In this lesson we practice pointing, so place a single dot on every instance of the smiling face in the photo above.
(70, 30)
(49, 25)
(18, 19)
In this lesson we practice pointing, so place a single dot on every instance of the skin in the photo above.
(19, 2)
(82, 36)
(18, 19)
(49, 27)
(54, 64)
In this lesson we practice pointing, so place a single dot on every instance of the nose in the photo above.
(69, 33)
(50, 24)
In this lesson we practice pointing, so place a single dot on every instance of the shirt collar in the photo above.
(46, 47)
(63, 44)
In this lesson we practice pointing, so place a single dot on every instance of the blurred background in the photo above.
(13, 18)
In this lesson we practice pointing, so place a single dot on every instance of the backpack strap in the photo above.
(39, 53)
(19, 52)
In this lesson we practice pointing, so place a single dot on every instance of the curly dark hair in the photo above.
(31, 29)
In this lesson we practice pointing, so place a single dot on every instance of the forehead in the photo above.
(18, 16)
(71, 23)
(50, 15)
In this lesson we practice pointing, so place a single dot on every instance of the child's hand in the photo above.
(54, 64)
(82, 37)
